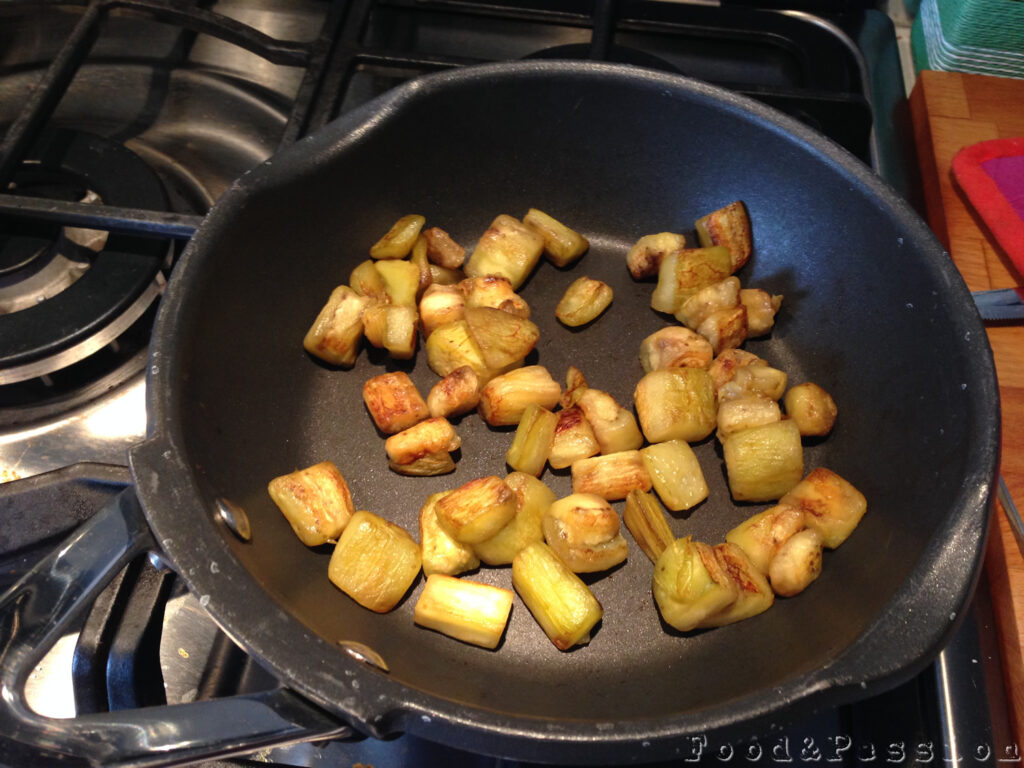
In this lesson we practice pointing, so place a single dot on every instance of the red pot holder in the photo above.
(991, 173)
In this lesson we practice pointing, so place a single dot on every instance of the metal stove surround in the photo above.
(203, 92)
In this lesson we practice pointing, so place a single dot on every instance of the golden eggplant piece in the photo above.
(532, 500)
(504, 339)
(335, 334)
(682, 273)
(583, 530)
(614, 427)
(441, 304)
(645, 519)
(761, 535)
(315, 501)
(729, 227)
(562, 245)
(423, 449)
(726, 364)
(743, 411)
(444, 276)
(573, 440)
(375, 322)
(495, 292)
(440, 553)
(761, 380)
(575, 384)
(367, 281)
(761, 310)
(442, 250)
(469, 611)
(644, 259)
(764, 463)
(583, 301)
(796, 564)
(532, 442)
(455, 394)
(504, 399)
(725, 329)
(724, 294)
(561, 603)
(452, 346)
(612, 475)
(676, 404)
(508, 248)
(831, 505)
(398, 242)
(753, 593)
(690, 584)
(392, 327)
(374, 562)
(812, 408)
(401, 281)
(394, 402)
(675, 347)
(675, 474)
(419, 258)
(477, 510)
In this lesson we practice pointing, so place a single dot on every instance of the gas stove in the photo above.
(125, 121)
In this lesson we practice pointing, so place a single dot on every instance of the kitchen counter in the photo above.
(950, 111)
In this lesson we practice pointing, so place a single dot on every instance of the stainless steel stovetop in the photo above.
(201, 93)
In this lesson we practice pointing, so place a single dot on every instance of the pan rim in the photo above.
(430, 715)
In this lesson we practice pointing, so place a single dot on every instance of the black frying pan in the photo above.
(874, 311)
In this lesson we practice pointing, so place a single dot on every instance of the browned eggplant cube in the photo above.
(316, 502)
(394, 402)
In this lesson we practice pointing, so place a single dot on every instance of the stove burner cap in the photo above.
(60, 298)
(22, 245)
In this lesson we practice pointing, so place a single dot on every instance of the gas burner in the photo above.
(68, 293)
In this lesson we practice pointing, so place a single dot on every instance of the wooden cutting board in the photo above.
(950, 111)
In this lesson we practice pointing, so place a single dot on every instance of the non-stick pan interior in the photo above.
(871, 313)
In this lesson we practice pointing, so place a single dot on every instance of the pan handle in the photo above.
(40, 607)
